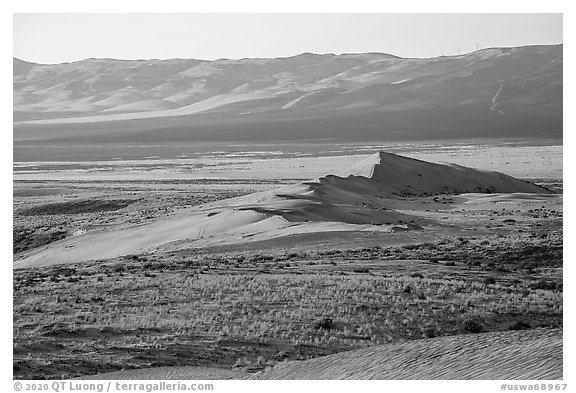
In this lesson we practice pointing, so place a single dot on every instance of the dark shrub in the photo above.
(325, 323)
(473, 326)
(525, 292)
(489, 281)
(544, 284)
(429, 332)
(520, 325)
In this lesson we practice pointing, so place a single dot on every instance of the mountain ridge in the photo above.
(507, 91)
(287, 57)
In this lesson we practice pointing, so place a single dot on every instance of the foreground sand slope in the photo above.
(535, 354)
(531, 354)
(378, 194)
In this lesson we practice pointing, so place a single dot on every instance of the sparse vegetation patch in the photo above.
(250, 311)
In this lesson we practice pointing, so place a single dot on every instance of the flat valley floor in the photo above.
(249, 309)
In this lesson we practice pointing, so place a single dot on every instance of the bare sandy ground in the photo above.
(269, 162)
(386, 200)
(385, 192)
(534, 354)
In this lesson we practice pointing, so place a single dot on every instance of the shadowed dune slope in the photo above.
(372, 190)
(534, 354)
(398, 175)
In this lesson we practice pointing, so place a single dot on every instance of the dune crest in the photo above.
(401, 175)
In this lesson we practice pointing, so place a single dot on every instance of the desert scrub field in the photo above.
(252, 309)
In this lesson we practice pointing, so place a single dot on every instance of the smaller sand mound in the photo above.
(532, 354)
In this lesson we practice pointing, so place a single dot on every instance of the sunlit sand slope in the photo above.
(534, 354)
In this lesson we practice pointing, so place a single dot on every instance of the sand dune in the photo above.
(397, 175)
(533, 354)
(377, 194)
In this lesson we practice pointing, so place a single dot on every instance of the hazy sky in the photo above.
(54, 38)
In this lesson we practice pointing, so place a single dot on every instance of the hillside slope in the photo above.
(501, 91)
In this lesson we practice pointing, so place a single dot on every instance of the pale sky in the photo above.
(56, 38)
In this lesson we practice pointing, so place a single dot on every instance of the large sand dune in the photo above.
(397, 175)
(383, 193)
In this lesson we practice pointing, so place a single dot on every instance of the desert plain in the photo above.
(332, 215)
(244, 261)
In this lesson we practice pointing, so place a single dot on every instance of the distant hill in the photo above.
(493, 92)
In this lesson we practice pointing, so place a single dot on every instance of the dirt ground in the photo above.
(492, 263)
(248, 307)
